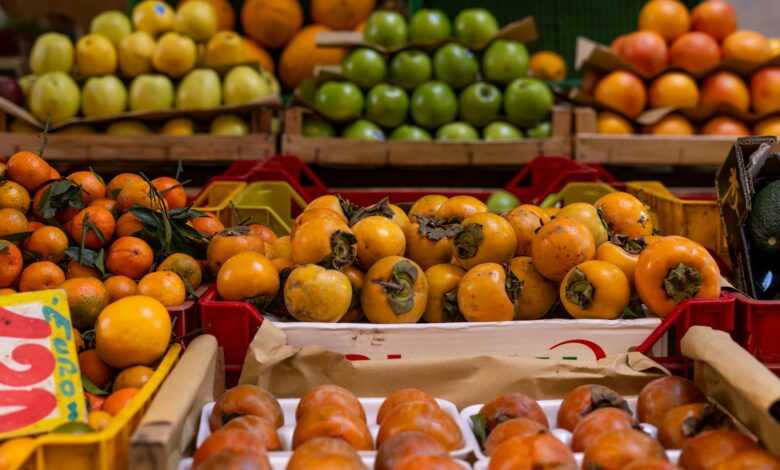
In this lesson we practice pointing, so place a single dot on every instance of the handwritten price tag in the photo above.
(40, 382)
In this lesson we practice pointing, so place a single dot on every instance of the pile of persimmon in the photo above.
(682, 51)
(449, 259)
(513, 428)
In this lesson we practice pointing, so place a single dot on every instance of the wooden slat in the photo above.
(652, 149)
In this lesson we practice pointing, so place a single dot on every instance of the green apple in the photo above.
(501, 201)
(455, 65)
(316, 127)
(541, 130)
(386, 29)
(410, 69)
(433, 105)
(228, 124)
(339, 101)
(475, 27)
(55, 97)
(504, 61)
(103, 97)
(52, 52)
(306, 90)
(409, 132)
(200, 89)
(363, 130)
(457, 131)
(112, 24)
(527, 101)
(151, 92)
(500, 130)
(429, 27)
(479, 104)
(244, 84)
(387, 105)
(365, 67)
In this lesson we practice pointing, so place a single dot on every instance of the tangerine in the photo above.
(725, 88)
(695, 52)
(129, 256)
(118, 400)
(94, 369)
(668, 18)
(14, 196)
(98, 420)
(208, 225)
(548, 65)
(105, 203)
(764, 90)
(91, 184)
(10, 264)
(673, 124)
(769, 126)
(128, 224)
(725, 126)
(7, 291)
(714, 17)
(185, 266)
(165, 286)
(247, 276)
(674, 90)
(172, 191)
(645, 50)
(119, 287)
(139, 195)
(77, 270)
(29, 170)
(95, 225)
(48, 243)
(747, 46)
(12, 221)
(133, 377)
(132, 331)
(622, 91)
(41, 275)
(87, 297)
(120, 181)
(608, 122)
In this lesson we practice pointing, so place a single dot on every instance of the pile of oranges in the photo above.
(449, 259)
(682, 51)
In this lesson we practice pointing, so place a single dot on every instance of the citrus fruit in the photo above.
(165, 286)
(98, 420)
(129, 256)
(14, 196)
(118, 400)
(41, 275)
(87, 297)
(94, 369)
(119, 287)
(185, 266)
(132, 331)
(133, 377)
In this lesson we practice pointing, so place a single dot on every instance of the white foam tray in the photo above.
(371, 407)
(550, 408)
(279, 462)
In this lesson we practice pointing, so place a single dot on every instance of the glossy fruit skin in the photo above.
(588, 215)
(100, 218)
(512, 428)
(716, 18)
(424, 251)
(511, 405)
(615, 449)
(442, 279)
(378, 301)
(645, 50)
(41, 275)
(377, 237)
(530, 452)
(455, 65)
(485, 238)
(333, 421)
(433, 105)
(405, 445)
(614, 254)
(482, 295)
(527, 102)
(129, 256)
(399, 397)
(624, 214)
(708, 450)
(236, 440)
(669, 253)
(651, 464)
(622, 91)
(329, 395)
(537, 296)
(236, 459)
(750, 459)
(10, 263)
(356, 279)
(600, 422)
(365, 67)
(695, 52)
(505, 60)
(247, 275)
(118, 400)
(229, 243)
(683, 422)
(424, 417)
(475, 27)
(663, 394)
(427, 205)
(314, 241)
(318, 213)
(165, 286)
(185, 266)
(262, 427)
(585, 399)
(610, 295)
(325, 453)
(313, 293)
(668, 18)
(725, 87)
(410, 69)
(460, 207)
(87, 297)
(429, 462)
(386, 29)
(133, 377)
(245, 400)
(93, 368)
(387, 105)
(561, 245)
(339, 101)
(526, 219)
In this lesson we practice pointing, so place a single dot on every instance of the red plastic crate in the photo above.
(759, 322)
(186, 321)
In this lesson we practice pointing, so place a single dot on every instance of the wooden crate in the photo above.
(638, 149)
(349, 152)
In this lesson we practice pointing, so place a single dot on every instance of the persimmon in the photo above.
(619, 256)
(585, 399)
(236, 459)
(560, 245)
(405, 445)
(185, 266)
(395, 291)
(87, 297)
(686, 421)
(356, 279)
(280, 248)
(91, 185)
(661, 395)
(14, 196)
(330, 202)
(443, 281)
(485, 293)
(235, 440)
(429, 241)
(323, 241)
(624, 214)
(525, 220)
(95, 225)
(10, 263)
(424, 417)
(535, 295)
(245, 400)
(28, 169)
(529, 452)
(333, 421)
(260, 426)
(710, 449)
(484, 238)
(317, 213)
(230, 242)
(172, 191)
(651, 464)
(399, 217)
(248, 276)
(377, 237)
(515, 427)
(399, 397)
(329, 395)
(751, 459)
(263, 232)
(325, 453)
(616, 449)
(129, 256)
(427, 205)
(41, 275)
(429, 462)
(313, 293)
(458, 208)
(674, 269)
(595, 289)
(509, 406)
(597, 423)
(588, 216)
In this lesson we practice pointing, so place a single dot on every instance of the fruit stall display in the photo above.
(681, 74)
(463, 83)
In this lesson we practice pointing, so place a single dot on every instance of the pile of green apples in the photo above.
(452, 81)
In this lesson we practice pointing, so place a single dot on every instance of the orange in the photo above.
(118, 400)
(105, 203)
(725, 126)
(7, 291)
(77, 270)
(88, 222)
(185, 266)
(92, 185)
(14, 196)
(133, 377)
(612, 123)
(54, 174)
(33, 225)
(128, 224)
(10, 263)
(673, 124)
(14, 452)
(674, 90)
(645, 50)
(94, 369)
(138, 195)
(132, 331)
(119, 287)
(172, 191)
(622, 91)
(747, 46)
(302, 54)
(98, 420)
(668, 18)
(254, 52)
(165, 286)
(207, 225)
(87, 297)
(41, 275)
(272, 23)
(129, 256)
(548, 65)
(48, 243)
(714, 17)
(28, 169)
(695, 52)
(727, 88)
(12, 221)
(764, 90)
(769, 126)
(120, 181)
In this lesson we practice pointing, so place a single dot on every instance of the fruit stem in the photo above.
(436, 229)
(514, 288)
(449, 305)
(682, 282)
(399, 287)
(579, 290)
(468, 240)
(342, 248)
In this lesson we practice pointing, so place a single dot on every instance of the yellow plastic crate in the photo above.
(269, 203)
(217, 198)
(107, 449)
(697, 220)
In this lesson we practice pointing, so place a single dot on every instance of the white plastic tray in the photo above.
(371, 407)
(550, 408)
(279, 462)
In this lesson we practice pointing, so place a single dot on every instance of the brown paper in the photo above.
(737, 381)
(167, 429)
(287, 371)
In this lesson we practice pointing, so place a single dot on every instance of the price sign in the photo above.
(40, 381)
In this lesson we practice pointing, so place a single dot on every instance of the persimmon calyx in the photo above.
(682, 282)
